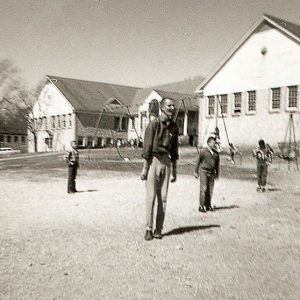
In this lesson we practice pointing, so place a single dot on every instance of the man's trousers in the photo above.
(71, 179)
(207, 181)
(157, 188)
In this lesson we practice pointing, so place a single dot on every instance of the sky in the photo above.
(131, 42)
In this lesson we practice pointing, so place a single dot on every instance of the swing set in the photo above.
(233, 150)
(289, 149)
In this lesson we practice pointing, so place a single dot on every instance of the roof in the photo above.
(15, 126)
(291, 29)
(189, 99)
(186, 86)
(91, 96)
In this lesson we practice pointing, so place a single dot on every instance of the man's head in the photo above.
(211, 142)
(261, 144)
(167, 106)
(74, 144)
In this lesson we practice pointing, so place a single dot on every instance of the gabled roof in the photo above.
(189, 99)
(290, 29)
(186, 86)
(90, 96)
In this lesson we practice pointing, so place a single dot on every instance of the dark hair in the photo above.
(261, 143)
(210, 139)
(163, 100)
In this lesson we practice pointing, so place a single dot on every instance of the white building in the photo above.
(96, 114)
(255, 88)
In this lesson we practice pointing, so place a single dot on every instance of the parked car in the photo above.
(5, 151)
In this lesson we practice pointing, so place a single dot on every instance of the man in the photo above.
(208, 162)
(72, 159)
(160, 150)
(264, 155)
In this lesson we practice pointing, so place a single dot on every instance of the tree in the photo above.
(16, 100)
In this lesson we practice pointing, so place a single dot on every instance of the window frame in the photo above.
(234, 113)
(251, 112)
(288, 108)
(210, 114)
(222, 105)
(272, 109)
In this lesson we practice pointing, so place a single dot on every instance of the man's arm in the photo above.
(217, 170)
(174, 171)
(148, 140)
(200, 159)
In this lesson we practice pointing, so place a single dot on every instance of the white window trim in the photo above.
(219, 102)
(271, 109)
(287, 108)
(208, 116)
(251, 112)
(233, 104)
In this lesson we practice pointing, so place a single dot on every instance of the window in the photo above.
(48, 142)
(276, 98)
(237, 108)
(293, 95)
(90, 141)
(8, 138)
(45, 123)
(211, 105)
(124, 124)
(80, 141)
(58, 121)
(252, 101)
(53, 121)
(64, 121)
(116, 123)
(1, 138)
(23, 140)
(224, 104)
(16, 139)
(70, 120)
(133, 123)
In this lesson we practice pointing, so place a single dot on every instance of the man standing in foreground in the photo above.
(160, 150)
(208, 162)
(72, 159)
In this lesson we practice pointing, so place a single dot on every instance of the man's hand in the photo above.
(174, 171)
(196, 175)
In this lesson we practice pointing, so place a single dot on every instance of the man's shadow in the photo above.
(87, 191)
(182, 230)
(225, 207)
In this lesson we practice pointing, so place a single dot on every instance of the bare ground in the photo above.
(90, 245)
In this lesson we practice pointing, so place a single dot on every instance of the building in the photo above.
(186, 113)
(255, 88)
(13, 136)
(96, 114)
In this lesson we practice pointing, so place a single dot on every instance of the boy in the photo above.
(72, 159)
(264, 154)
(208, 162)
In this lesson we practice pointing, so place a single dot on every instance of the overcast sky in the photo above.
(131, 42)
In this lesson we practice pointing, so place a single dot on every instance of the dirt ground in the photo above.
(90, 245)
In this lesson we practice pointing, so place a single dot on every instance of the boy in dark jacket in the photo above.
(208, 163)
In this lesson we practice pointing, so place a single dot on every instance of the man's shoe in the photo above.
(148, 235)
(210, 208)
(263, 189)
(157, 234)
(258, 188)
(202, 209)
